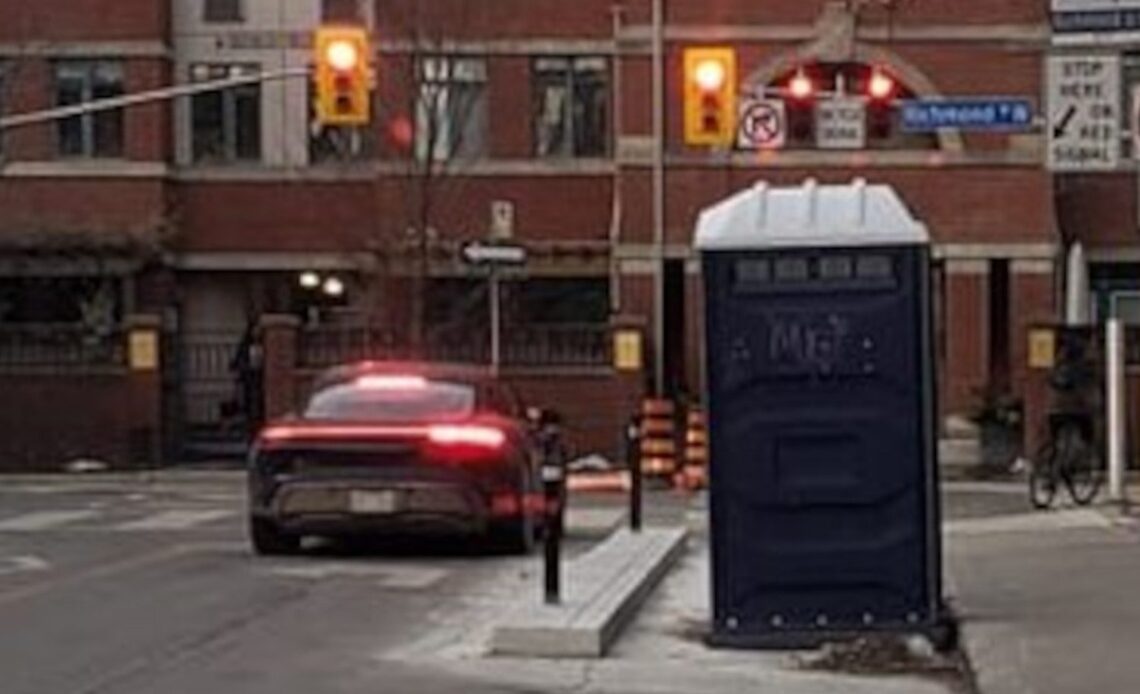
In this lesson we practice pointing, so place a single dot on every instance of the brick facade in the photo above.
(984, 197)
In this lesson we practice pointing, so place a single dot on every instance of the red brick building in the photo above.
(208, 211)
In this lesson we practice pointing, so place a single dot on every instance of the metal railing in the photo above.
(60, 345)
(331, 345)
(555, 345)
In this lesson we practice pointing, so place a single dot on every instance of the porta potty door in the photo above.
(820, 407)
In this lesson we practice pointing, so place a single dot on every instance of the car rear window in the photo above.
(427, 401)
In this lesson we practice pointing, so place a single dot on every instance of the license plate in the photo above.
(380, 502)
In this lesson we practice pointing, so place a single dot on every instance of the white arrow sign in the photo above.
(484, 254)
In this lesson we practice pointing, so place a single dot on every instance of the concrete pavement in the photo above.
(133, 585)
(1048, 601)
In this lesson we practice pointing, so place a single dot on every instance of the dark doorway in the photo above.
(674, 327)
(999, 325)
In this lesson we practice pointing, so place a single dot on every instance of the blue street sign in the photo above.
(1001, 113)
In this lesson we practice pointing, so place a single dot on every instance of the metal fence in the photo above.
(555, 345)
(60, 345)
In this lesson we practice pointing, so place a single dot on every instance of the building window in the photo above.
(571, 107)
(222, 11)
(451, 109)
(98, 134)
(226, 124)
(1129, 81)
(340, 11)
(338, 143)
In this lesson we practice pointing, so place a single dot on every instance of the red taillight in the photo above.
(392, 382)
(467, 435)
(284, 432)
(450, 436)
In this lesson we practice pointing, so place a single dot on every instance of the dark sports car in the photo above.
(397, 448)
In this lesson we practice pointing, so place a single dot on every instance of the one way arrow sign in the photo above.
(478, 253)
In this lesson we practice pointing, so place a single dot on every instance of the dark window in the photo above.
(226, 124)
(388, 399)
(571, 107)
(340, 11)
(222, 11)
(92, 300)
(98, 134)
(554, 301)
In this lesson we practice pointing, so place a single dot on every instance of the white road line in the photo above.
(43, 520)
(175, 520)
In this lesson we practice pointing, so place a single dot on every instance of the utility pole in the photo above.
(659, 195)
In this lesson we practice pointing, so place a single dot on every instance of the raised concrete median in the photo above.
(603, 590)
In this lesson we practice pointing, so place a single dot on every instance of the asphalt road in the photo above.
(133, 588)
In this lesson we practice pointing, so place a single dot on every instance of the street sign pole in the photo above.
(494, 257)
(496, 322)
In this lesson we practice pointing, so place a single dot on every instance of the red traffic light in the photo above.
(881, 86)
(801, 86)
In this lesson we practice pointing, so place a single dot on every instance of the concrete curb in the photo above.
(604, 589)
(593, 523)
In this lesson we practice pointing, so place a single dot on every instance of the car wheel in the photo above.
(269, 540)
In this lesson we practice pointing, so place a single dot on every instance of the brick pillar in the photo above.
(144, 443)
(1032, 298)
(966, 369)
(279, 359)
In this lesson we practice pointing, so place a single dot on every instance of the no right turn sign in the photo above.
(763, 124)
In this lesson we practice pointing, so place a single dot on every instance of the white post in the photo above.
(496, 318)
(1114, 375)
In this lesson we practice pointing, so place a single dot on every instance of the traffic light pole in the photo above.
(164, 94)
(659, 196)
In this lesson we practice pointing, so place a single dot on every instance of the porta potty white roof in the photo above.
(809, 216)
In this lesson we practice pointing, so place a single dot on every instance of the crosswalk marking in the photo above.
(43, 520)
(174, 520)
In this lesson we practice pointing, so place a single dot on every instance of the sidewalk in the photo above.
(661, 652)
(1048, 601)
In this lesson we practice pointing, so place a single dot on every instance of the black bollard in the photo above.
(553, 479)
(633, 462)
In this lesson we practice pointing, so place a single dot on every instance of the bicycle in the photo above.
(1070, 455)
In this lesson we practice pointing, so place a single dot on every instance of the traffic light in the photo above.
(881, 92)
(710, 96)
(341, 75)
(801, 86)
(880, 85)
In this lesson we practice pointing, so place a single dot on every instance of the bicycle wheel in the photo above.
(1043, 476)
(1081, 468)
